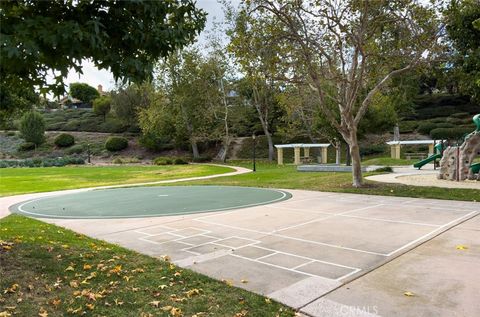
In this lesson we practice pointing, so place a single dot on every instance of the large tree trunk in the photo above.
(264, 123)
(194, 149)
(350, 136)
(356, 162)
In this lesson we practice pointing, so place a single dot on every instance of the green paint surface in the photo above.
(148, 201)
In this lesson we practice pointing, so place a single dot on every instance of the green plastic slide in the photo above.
(475, 168)
(427, 160)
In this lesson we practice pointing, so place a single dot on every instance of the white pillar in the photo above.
(297, 156)
(324, 155)
(430, 149)
(306, 152)
(280, 156)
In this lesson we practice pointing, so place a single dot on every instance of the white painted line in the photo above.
(303, 264)
(393, 221)
(347, 275)
(291, 238)
(308, 258)
(265, 256)
(272, 265)
(432, 232)
(327, 217)
(164, 242)
(163, 195)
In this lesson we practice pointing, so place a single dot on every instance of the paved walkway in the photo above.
(5, 202)
(427, 176)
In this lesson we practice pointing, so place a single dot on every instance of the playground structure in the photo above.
(306, 152)
(457, 161)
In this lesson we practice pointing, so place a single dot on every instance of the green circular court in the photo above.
(148, 201)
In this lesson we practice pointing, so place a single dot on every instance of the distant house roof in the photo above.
(69, 99)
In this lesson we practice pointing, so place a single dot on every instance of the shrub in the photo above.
(426, 127)
(72, 125)
(155, 143)
(445, 125)
(125, 160)
(114, 144)
(42, 162)
(373, 149)
(10, 133)
(449, 133)
(27, 146)
(179, 161)
(101, 106)
(162, 161)
(64, 140)
(385, 169)
(202, 159)
(407, 126)
(460, 115)
(76, 149)
(32, 127)
(453, 122)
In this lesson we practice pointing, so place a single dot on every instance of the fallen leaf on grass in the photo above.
(408, 294)
(155, 303)
(228, 282)
(56, 302)
(244, 281)
(11, 289)
(43, 313)
(70, 268)
(176, 312)
(192, 292)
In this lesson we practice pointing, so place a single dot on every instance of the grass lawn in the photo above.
(49, 271)
(272, 175)
(32, 180)
(388, 161)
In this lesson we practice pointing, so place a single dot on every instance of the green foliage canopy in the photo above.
(127, 37)
(463, 26)
(84, 92)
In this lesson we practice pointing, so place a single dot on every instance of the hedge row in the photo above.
(449, 133)
(162, 160)
(42, 162)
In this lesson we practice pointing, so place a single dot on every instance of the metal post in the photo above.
(254, 146)
(88, 152)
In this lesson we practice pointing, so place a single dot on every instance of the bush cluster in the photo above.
(373, 149)
(115, 143)
(26, 146)
(202, 159)
(449, 133)
(162, 160)
(82, 120)
(42, 162)
(426, 127)
(64, 140)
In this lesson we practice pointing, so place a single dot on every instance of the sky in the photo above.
(94, 77)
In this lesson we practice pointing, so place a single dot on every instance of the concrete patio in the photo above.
(312, 252)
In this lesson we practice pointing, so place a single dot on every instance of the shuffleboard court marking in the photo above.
(181, 211)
